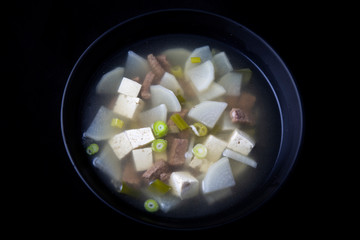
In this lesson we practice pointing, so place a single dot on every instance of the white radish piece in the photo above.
(222, 64)
(214, 91)
(160, 95)
(202, 75)
(219, 176)
(232, 83)
(100, 128)
(108, 163)
(207, 112)
(169, 81)
(204, 53)
(110, 81)
(148, 117)
(136, 66)
(239, 157)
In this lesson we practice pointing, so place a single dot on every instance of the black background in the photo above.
(44, 41)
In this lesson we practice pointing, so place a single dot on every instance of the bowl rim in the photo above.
(295, 153)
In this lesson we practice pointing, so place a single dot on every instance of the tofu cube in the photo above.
(241, 142)
(184, 185)
(140, 136)
(129, 87)
(121, 145)
(128, 106)
(143, 158)
(215, 148)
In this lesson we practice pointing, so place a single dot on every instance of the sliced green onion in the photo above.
(159, 145)
(195, 60)
(116, 122)
(160, 129)
(199, 129)
(200, 151)
(159, 187)
(151, 205)
(179, 121)
(92, 149)
(177, 71)
(181, 99)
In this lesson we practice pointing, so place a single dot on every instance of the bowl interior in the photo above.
(193, 23)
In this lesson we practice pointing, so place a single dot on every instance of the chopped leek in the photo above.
(179, 121)
(160, 129)
(177, 72)
(195, 60)
(199, 129)
(200, 151)
(181, 99)
(159, 145)
(92, 149)
(151, 205)
(116, 122)
(158, 187)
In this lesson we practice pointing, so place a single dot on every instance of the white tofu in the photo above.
(129, 87)
(128, 106)
(215, 148)
(140, 136)
(143, 158)
(184, 185)
(121, 145)
(241, 142)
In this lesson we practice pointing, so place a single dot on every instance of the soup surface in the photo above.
(181, 125)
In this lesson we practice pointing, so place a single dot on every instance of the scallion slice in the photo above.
(195, 60)
(117, 123)
(177, 72)
(92, 149)
(160, 129)
(199, 129)
(159, 187)
(159, 145)
(151, 205)
(200, 151)
(179, 121)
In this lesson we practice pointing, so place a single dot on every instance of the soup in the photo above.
(181, 126)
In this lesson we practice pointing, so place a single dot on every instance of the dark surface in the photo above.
(44, 42)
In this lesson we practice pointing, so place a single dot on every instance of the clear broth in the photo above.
(267, 129)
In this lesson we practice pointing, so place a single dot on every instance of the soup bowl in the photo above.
(187, 22)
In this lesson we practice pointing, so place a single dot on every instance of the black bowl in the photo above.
(195, 23)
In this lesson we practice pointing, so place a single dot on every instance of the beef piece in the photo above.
(164, 63)
(145, 88)
(177, 152)
(158, 169)
(238, 115)
(165, 176)
(184, 134)
(155, 67)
